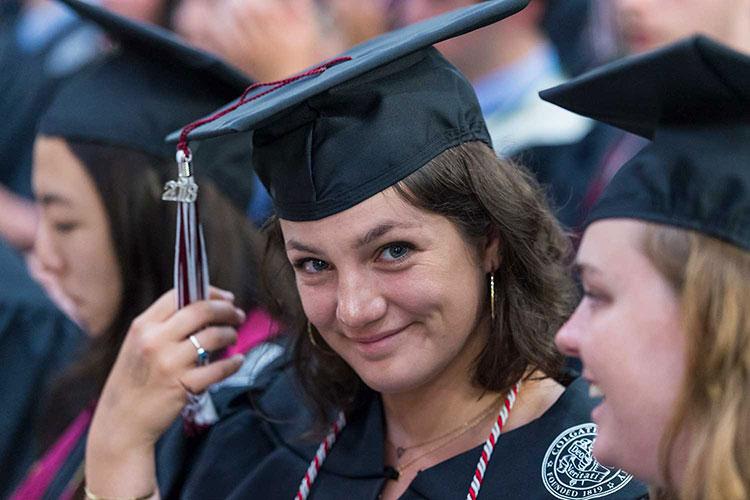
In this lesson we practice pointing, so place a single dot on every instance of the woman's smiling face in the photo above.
(628, 333)
(396, 291)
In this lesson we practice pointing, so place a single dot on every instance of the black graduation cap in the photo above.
(692, 99)
(326, 142)
(151, 84)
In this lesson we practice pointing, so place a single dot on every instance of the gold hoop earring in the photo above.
(492, 296)
(310, 335)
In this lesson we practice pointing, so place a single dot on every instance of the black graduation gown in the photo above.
(36, 342)
(249, 456)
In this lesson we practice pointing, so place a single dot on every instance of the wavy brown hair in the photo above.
(483, 196)
(712, 279)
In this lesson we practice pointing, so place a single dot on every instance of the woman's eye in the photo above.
(313, 266)
(395, 251)
(594, 297)
(64, 227)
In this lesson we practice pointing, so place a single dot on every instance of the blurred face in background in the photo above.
(359, 21)
(412, 11)
(482, 52)
(647, 24)
(74, 243)
(189, 21)
(266, 39)
(149, 11)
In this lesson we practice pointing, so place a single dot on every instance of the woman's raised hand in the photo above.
(148, 386)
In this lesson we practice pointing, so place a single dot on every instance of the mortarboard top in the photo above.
(692, 99)
(324, 143)
(153, 83)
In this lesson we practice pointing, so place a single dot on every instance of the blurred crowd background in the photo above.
(41, 43)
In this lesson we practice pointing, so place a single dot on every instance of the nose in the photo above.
(632, 7)
(360, 301)
(568, 338)
(45, 251)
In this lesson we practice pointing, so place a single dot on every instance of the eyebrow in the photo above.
(48, 199)
(373, 234)
(296, 245)
(379, 231)
(581, 268)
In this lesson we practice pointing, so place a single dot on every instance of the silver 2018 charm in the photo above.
(184, 189)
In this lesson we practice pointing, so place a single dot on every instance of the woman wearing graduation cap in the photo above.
(431, 278)
(664, 328)
(108, 238)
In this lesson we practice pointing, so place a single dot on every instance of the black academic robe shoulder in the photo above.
(36, 342)
(262, 450)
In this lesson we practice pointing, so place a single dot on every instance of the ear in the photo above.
(491, 257)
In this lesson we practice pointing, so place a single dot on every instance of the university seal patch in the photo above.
(570, 472)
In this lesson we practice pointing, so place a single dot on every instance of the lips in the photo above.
(378, 337)
(595, 391)
(378, 346)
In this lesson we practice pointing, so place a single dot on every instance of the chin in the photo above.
(618, 454)
(602, 450)
(391, 381)
(94, 326)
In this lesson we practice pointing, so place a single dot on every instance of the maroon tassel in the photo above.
(190, 275)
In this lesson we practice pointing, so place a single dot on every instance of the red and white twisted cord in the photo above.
(476, 482)
(489, 445)
(320, 456)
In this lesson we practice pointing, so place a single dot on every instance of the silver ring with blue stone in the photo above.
(202, 353)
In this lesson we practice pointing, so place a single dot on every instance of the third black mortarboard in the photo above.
(692, 99)
(326, 142)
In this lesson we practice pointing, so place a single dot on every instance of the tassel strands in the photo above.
(191, 267)
(191, 278)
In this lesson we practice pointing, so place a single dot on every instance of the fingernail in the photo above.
(240, 313)
(227, 295)
(238, 358)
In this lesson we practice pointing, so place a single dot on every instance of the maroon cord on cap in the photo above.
(182, 145)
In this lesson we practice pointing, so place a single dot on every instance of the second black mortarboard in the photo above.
(150, 84)
(379, 112)
(692, 99)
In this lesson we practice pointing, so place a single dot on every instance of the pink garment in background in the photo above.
(44, 471)
(257, 328)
